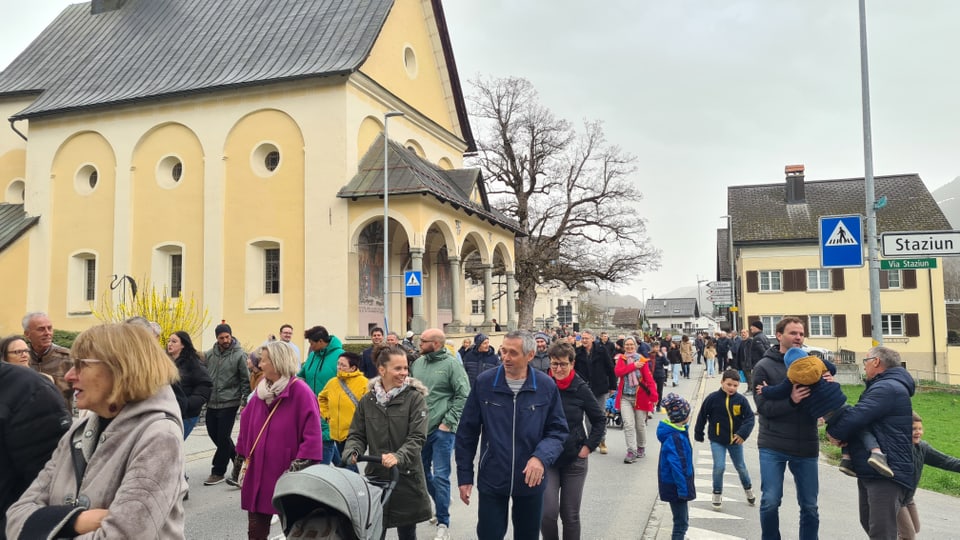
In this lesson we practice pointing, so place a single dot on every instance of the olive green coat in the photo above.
(399, 428)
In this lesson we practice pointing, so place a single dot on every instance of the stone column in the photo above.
(487, 296)
(418, 324)
(511, 301)
(456, 324)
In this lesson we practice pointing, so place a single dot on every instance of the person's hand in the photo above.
(835, 442)
(799, 393)
(828, 377)
(89, 520)
(388, 460)
(443, 427)
(737, 439)
(698, 437)
(584, 452)
(465, 491)
(758, 390)
(351, 458)
(533, 472)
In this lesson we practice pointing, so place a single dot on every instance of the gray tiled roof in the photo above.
(761, 215)
(661, 308)
(14, 222)
(410, 174)
(628, 317)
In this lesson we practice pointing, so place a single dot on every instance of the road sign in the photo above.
(920, 244)
(718, 284)
(727, 299)
(907, 264)
(722, 305)
(841, 241)
(413, 283)
(720, 291)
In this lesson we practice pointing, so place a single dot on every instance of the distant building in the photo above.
(676, 315)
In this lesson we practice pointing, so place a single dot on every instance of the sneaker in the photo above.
(213, 480)
(186, 495)
(879, 462)
(442, 532)
(846, 467)
(630, 457)
(717, 501)
(751, 499)
(602, 448)
(640, 452)
(433, 520)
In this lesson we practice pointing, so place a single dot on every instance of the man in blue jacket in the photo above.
(885, 408)
(516, 412)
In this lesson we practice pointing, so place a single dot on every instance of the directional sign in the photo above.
(718, 298)
(841, 241)
(413, 283)
(920, 244)
(906, 264)
(717, 284)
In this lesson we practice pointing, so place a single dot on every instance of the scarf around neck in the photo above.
(564, 383)
(269, 392)
(383, 396)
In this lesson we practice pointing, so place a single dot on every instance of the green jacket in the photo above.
(230, 376)
(447, 382)
(399, 428)
(321, 367)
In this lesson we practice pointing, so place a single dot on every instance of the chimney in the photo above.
(103, 6)
(795, 194)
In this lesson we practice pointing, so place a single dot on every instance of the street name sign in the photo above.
(841, 241)
(413, 283)
(718, 284)
(907, 264)
(910, 245)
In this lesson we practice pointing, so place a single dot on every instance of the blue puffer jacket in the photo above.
(884, 408)
(476, 362)
(513, 429)
(675, 470)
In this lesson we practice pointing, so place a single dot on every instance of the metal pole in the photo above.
(386, 222)
(868, 187)
(733, 275)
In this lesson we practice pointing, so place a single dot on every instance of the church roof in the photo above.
(410, 174)
(14, 222)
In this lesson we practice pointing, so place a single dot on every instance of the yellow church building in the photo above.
(234, 151)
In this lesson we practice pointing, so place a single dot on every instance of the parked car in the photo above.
(823, 354)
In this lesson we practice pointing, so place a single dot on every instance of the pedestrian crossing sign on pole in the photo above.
(412, 283)
(841, 241)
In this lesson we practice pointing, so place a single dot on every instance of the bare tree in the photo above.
(571, 192)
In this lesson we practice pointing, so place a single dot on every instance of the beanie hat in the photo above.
(541, 335)
(221, 328)
(794, 354)
(678, 409)
(480, 338)
(758, 325)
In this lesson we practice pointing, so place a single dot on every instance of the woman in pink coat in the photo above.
(292, 438)
(636, 397)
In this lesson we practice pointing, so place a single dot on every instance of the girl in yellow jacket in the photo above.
(338, 399)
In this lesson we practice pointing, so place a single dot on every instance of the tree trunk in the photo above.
(528, 301)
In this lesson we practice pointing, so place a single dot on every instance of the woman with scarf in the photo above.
(566, 477)
(279, 431)
(391, 422)
(637, 394)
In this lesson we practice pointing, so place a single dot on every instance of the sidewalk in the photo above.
(199, 446)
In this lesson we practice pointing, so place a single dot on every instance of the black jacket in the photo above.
(33, 417)
(784, 427)
(195, 383)
(885, 409)
(674, 356)
(741, 358)
(660, 367)
(723, 347)
(476, 362)
(759, 346)
(578, 401)
(368, 364)
(727, 416)
(596, 369)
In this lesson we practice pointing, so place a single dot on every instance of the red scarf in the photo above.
(563, 384)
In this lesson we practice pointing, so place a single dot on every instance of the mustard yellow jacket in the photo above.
(336, 406)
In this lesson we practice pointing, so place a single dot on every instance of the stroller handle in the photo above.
(394, 474)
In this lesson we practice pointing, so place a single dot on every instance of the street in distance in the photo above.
(913, 244)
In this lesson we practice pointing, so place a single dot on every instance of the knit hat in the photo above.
(794, 354)
(541, 335)
(758, 325)
(480, 338)
(678, 409)
(221, 328)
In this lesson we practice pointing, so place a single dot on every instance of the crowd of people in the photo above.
(537, 406)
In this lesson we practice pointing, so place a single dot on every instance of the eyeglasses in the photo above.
(19, 352)
(79, 364)
(559, 365)
(869, 358)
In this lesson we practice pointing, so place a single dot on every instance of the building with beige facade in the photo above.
(239, 159)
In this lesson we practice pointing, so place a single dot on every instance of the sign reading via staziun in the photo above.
(914, 244)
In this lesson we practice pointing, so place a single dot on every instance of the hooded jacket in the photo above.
(447, 382)
(336, 407)
(476, 362)
(825, 396)
(541, 361)
(675, 470)
(135, 472)
(727, 416)
(229, 373)
(884, 408)
(319, 369)
(784, 427)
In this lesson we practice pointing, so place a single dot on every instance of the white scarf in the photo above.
(269, 392)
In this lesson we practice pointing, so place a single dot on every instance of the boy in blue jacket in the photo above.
(731, 421)
(675, 469)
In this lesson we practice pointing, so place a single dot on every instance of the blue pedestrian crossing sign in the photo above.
(413, 283)
(841, 241)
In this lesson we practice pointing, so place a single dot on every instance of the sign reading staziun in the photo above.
(920, 244)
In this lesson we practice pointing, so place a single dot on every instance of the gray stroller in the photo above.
(326, 502)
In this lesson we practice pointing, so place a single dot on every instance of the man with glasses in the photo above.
(885, 409)
(446, 380)
(46, 356)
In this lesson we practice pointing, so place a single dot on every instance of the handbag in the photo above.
(246, 461)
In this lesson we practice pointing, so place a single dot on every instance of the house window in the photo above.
(770, 281)
(818, 280)
(168, 269)
(81, 283)
(770, 323)
(264, 275)
(891, 325)
(894, 279)
(476, 307)
(272, 160)
(90, 280)
(176, 275)
(271, 271)
(821, 325)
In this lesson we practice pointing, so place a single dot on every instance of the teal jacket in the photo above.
(320, 367)
(448, 388)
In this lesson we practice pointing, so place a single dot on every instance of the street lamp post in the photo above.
(386, 221)
(733, 276)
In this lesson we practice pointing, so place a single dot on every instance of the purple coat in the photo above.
(293, 433)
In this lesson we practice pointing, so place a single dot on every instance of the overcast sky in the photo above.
(709, 93)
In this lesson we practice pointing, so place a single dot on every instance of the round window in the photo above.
(15, 192)
(169, 172)
(86, 179)
(265, 159)
(410, 61)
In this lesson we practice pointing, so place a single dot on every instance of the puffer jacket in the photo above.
(578, 401)
(399, 428)
(728, 416)
(541, 361)
(195, 383)
(476, 362)
(675, 470)
(135, 472)
(783, 427)
(825, 397)
(321, 366)
(230, 376)
(884, 408)
(336, 407)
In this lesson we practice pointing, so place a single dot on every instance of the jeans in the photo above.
(340, 446)
(676, 373)
(660, 392)
(711, 366)
(188, 425)
(330, 453)
(720, 463)
(681, 520)
(437, 452)
(562, 498)
(219, 429)
(492, 516)
(805, 475)
(880, 503)
(686, 369)
(634, 423)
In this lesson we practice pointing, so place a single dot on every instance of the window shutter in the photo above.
(752, 319)
(800, 279)
(865, 320)
(840, 326)
(884, 279)
(806, 324)
(753, 281)
(836, 278)
(911, 323)
(909, 279)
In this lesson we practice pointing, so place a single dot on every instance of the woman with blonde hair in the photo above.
(118, 472)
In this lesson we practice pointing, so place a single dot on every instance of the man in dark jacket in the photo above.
(595, 366)
(227, 364)
(723, 350)
(519, 415)
(884, 408)
(788, 436)
(33, 417)
(368, 364)
(759, 344)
